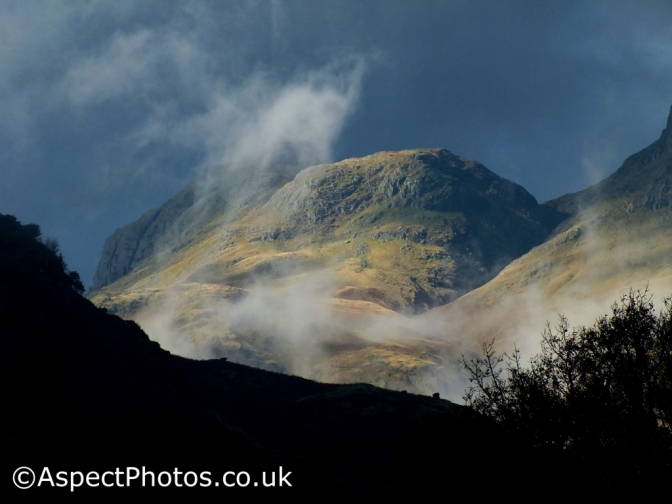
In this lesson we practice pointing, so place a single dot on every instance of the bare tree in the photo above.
(600, 395)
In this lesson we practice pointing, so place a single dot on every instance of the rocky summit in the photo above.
(357, 241)
(454, 223)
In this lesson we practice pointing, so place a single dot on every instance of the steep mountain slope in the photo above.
(318, 260)
(180, 221)
(619, 236)
(430, 200)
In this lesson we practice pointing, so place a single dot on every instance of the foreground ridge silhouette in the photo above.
(83, 390)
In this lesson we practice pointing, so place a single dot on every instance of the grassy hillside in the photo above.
(344, 246)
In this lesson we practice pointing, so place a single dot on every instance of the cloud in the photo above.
(262, 125)
(252, 125)
(126, 67)
(297, 318)
(109, 109)
(264, 120)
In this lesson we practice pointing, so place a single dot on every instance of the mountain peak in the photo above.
(666, 135)
(455, 222)
(662, 145)
(649, 154)
(644, 177)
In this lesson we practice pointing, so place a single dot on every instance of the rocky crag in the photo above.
(391, 232)
(454, 214)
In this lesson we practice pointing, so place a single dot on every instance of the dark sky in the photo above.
(109, 108)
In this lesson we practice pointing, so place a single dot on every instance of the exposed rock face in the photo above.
(427, 179)
(179, 221)
(128, 246)
(475, 221)
(486, 221)
(645, 178)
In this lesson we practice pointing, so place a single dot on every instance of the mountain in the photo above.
(619, 236)
(83, 390)
(314, 275)
(431, 200)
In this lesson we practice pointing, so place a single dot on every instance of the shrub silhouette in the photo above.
(23, 255)
(597, 399)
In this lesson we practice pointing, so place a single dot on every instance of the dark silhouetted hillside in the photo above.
(85, 390)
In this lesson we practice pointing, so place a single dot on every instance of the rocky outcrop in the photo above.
(180, 220)
(481, 213)
(427, 179)
(427, 197)
(128, 246)
(644, 180)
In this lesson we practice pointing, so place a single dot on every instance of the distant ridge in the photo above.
(618, 237)
(645, 177)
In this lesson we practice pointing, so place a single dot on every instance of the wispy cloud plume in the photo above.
(266, 121)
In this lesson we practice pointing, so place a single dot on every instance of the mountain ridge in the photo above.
(618, 237)
(307, 278)
(312, 201)
(315, 276)
(625, 180)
